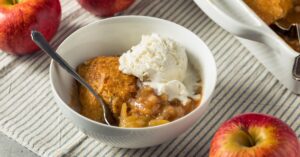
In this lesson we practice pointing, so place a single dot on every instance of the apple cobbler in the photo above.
(103, 74)
(270, 10)
(281, 11)
(133, 104)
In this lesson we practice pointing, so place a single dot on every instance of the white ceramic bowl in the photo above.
(112, 37)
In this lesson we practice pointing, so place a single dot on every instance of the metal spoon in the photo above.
(296, 67)
(291, 27)
(40, 41)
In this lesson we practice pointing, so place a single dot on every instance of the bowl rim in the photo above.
(138, 17)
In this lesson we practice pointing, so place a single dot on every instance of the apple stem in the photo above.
(250, 139)
(14, 2)
(252, 143)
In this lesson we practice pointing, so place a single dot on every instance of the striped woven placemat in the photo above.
(29, 115)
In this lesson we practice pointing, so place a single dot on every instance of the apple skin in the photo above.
(254, 135)
(17, 21)
(105, 8)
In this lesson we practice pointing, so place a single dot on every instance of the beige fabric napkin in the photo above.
(29, 115)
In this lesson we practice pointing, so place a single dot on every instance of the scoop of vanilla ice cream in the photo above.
(162, 64)
(155, 59)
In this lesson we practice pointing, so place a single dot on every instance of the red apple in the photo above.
(254, 135)
(105, 8)
(19, 17)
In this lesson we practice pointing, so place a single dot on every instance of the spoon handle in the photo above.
(296, 67)
(298, 32)
(40, 40)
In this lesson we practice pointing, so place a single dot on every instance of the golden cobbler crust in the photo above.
(115, 87)
(270, 10)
